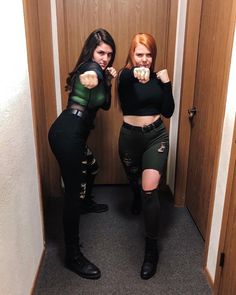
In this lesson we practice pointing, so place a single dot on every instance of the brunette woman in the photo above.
(89, 86)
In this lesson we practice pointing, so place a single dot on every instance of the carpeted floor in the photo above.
(114, 241)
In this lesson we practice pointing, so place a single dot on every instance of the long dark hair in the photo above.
(94, 39)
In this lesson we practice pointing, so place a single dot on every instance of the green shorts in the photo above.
(143, 148)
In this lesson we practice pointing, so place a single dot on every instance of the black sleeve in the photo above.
(126, 75)
(168, 104)
(107, 104)
(91, 66)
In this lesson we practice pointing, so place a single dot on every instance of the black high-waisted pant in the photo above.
(140, 149)
(67, 137)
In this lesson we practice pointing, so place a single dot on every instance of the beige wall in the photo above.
(21, 235)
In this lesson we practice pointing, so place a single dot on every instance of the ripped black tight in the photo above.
(151, 212)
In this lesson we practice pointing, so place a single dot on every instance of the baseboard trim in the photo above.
(38, 271)
(208, 278)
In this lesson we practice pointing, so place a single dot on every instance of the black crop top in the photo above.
(139, 99)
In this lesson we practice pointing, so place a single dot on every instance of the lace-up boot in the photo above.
(79, 264)
(150, 259)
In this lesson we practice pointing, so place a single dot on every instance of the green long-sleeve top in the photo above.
(99, 96)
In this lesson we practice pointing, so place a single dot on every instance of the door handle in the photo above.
(191, 112)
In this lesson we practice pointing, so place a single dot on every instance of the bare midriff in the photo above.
(77, 106)
(141, 120)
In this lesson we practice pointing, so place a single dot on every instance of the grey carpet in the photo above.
(114, 241)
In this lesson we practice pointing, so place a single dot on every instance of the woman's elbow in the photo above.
(169, 113)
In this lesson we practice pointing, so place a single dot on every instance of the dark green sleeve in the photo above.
(94, 97)
(91, 66)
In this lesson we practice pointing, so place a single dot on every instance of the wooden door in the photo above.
(123, 19)
(212, 69)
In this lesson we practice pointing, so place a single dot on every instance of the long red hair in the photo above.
(146, 40)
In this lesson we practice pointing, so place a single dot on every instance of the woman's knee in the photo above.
(150, 179)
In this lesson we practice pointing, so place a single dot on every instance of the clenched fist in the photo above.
(111, 73)
(163, 76)
(89, 79)
(142, 74)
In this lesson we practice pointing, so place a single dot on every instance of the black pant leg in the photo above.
(151, 210)
(67, 138)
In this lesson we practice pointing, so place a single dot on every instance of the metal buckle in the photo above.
(76, 112)
(79, 113)
(147, 128)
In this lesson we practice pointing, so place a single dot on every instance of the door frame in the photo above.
(226, 211)
(192, 30)
(37, 15)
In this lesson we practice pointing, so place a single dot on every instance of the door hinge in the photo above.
(222, 259)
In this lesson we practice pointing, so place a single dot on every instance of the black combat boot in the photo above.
(79, 264)
(74, 259)
(88, 205)
(150, 259)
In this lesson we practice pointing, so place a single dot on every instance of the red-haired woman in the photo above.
(145, 96)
